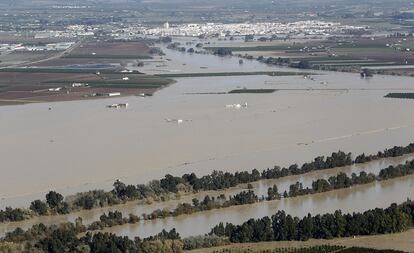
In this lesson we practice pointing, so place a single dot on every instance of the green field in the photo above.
(258, 48)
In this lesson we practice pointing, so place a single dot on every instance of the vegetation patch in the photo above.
(255, 48)
(284, 227)
(400, 95)
(268, 73)
(256, 91)
(218, 180)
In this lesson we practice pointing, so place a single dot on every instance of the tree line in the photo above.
(115, 218)
(284, 227)
(64, 238)
(169, 186)
(278, 227)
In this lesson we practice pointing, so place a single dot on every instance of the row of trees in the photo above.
(115, 218)
(208, 203)
(285, 62)
(392, 152)
(64, 238)
(222, 51)
(219, 180)
(167, 187)
(279, 227)
(339, 181)
(242, 198)
(282, 226)
(342, 180)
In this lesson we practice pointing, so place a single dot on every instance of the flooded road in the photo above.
(82, 145)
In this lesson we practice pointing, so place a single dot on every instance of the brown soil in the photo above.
(39, 96)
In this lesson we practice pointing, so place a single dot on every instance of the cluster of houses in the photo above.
(311, 27)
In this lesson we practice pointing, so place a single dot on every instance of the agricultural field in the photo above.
(87, 70)
(110, 50)
(315, 249)
(333, 54)
(17, 58)
(401, 242)
(30, 87)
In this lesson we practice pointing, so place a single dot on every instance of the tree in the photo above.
(39, 207)
(9, 247)
(366, 73)
(53, 199)
(340, 223)
(196, 202)
(304, 65)
(272, 193)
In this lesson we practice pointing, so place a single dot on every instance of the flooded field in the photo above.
(82, 145)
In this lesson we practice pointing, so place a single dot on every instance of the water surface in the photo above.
(82, 145)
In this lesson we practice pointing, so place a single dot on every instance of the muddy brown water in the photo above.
(82, 145)
(375, 191)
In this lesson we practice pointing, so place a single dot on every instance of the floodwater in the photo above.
(82, 145)
(356, 199)
(150, 227)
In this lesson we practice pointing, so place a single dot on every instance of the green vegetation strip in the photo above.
(284, 227)
(325, 58)
(254, 91)
(269, 73)
(168, 187)
(66, 237)
(257, 48)
(400, 95)
(340, 181)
